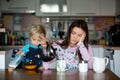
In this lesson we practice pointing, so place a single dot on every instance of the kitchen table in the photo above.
(20, 74)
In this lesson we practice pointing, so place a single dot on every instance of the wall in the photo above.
(21, 24)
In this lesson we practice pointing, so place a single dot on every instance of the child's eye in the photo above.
(39, 40)
(33, 39)
(73, 33)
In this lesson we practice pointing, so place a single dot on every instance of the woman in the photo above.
(75, 46)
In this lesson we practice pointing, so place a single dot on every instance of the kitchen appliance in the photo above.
(109, 53)
(114, 35)
(114, 59)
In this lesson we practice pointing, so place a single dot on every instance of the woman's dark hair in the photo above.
(80, 24)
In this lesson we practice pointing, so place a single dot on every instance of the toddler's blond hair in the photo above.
(37, 29)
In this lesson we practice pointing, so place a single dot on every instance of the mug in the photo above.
(61, 65)
(99, 64)
(83, 66)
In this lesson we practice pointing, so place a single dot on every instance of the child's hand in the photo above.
(41, 68)
(43, 41)
(20, 53)
(10, 69)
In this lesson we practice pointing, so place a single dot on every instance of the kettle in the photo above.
(50, 53)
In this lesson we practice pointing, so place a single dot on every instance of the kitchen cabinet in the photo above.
(0, 9)
(61, 11)
(118, 7)
(93, 7)
(116, 57)
(5, 58)
(22, 5)
(108, 8)
(98, 51)
(85, 7)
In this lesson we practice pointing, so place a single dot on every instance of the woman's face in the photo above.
(76, 35)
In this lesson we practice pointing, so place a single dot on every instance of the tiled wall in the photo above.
(22, 23)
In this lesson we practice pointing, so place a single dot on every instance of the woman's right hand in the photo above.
(82, 37)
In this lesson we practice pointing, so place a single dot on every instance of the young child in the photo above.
(33, 52)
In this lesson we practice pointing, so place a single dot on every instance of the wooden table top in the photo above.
(20, 74)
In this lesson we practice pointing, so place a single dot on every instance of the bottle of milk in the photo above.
(16, 61)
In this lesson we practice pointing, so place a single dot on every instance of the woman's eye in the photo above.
(80, 35)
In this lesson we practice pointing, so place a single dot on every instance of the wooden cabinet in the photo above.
(18, 5)
(108, 7)
(85, 7)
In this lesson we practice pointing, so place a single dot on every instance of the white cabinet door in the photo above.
(116, 57)
(98, 52)
(0, 8)
(5, 58)
(85, 7)
(50, 13)
(18, 4)
(118, 7)
(108, 7)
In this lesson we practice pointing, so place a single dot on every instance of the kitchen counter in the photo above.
(20, 74)
(8, 47)
(107, 47)
(113, 47)
(5, 47)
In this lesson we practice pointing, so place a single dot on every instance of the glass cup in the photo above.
(61, 65)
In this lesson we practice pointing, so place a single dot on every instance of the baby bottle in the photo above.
(16, 61)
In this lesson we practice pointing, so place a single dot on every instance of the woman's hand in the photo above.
(82, 37)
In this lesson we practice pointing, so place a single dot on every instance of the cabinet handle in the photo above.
(17, 8)
(86, 14)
